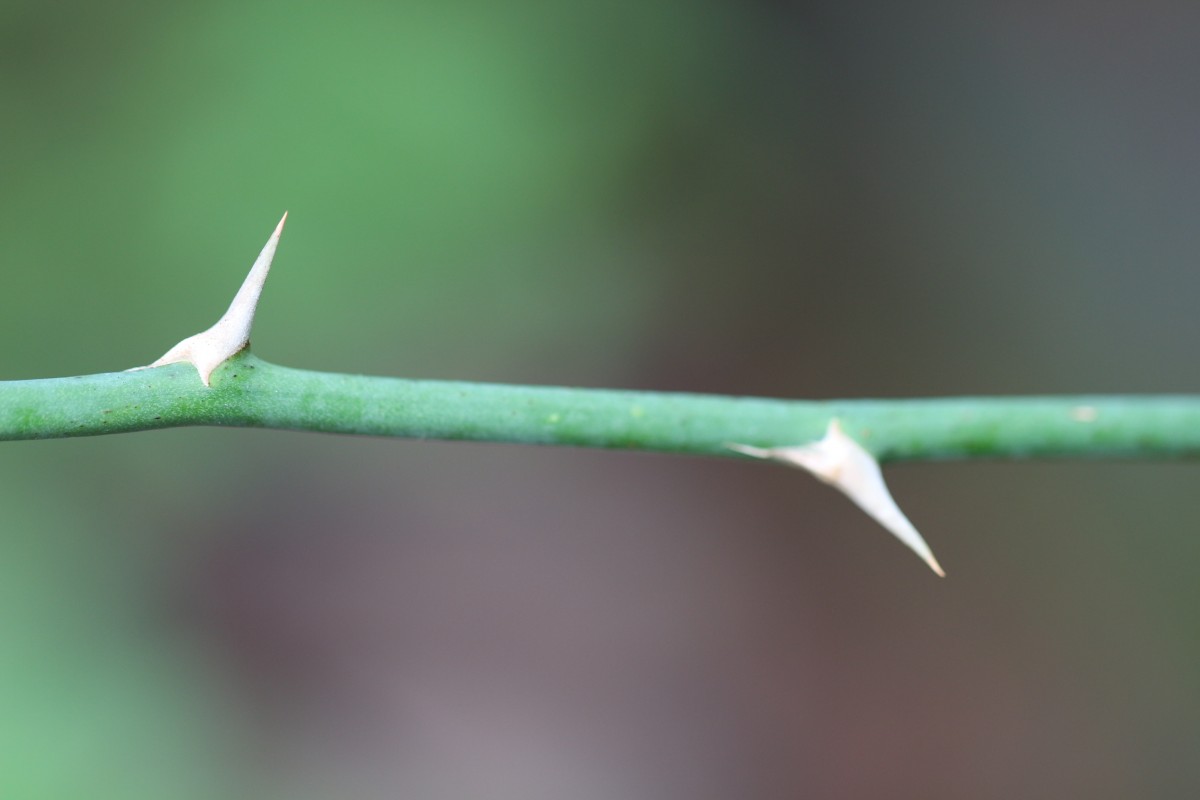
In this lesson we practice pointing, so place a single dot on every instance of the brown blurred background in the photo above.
(829, 199)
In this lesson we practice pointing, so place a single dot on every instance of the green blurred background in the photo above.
(788, 199)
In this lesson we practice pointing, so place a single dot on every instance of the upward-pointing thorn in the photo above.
(208, 350)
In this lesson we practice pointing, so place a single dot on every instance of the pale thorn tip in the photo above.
(837, 459)
(208, 350)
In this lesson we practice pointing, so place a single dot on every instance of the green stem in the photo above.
(247, 391)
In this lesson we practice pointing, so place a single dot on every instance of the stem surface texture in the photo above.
(247, 391)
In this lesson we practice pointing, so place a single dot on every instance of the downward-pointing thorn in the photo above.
(840, 461)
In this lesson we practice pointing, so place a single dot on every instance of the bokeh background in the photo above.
(823, 199)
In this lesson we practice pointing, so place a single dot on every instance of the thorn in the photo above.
(844, 464)
(208, 350)
(756, 452)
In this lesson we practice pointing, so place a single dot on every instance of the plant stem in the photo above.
(247, 391)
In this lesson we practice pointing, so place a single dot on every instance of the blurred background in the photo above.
(825, 199)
